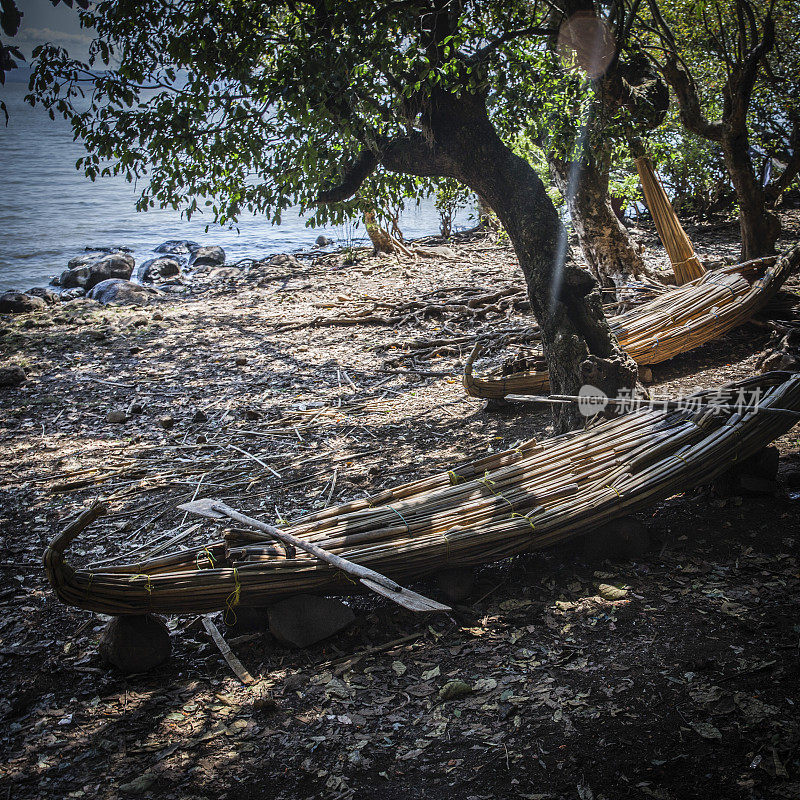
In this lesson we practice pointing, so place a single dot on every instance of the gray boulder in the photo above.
(135, 643)
(177, 247)
(323, 241)
(119, 292)
(305, 619)
(73, 278)
(20, 303)
(116, 265)
(207, 256)
(159, 269)
(48, 295)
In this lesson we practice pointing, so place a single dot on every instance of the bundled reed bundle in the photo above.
(685, 264)
(676, 322)
(506, 503)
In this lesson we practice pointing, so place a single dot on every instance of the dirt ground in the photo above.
(686, 687)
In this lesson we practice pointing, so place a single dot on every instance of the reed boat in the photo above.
(496, 506)
(680, 320)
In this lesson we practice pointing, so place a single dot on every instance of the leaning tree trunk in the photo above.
(605, 243)
(578, 343)
(759, 228)
(458, 141)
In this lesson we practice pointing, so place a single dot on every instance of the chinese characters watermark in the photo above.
(592, 400)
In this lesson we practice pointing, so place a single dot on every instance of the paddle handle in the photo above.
(323, 555)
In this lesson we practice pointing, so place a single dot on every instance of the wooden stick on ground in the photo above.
(213, 631)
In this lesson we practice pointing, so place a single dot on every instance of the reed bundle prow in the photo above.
(685, 263)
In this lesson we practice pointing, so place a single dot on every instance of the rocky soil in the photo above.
(289, 385)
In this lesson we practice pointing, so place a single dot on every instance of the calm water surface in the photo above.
(50, 212)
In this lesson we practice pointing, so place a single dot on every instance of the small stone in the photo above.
(201, 438)
(200, 416)
(252, 414)
(158, 269)
(306, 619)
(166, 421)
(622, 539)
(452, 690)
(134, 349)
(158, 316)
(645, 375)
(72, 294)
(139, 785)
(323, 241)
(48, 295)
(136, 408)
(285, 260)
(116, 415)
(241, 361)
(74, 278)
(456, 583)
(98, 334)
(440, 251)
(121, 292)
(12, 375)
(135, 643)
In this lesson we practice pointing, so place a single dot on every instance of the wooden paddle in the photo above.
(380, 584)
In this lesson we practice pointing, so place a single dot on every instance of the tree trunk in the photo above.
(381, 241)
(458, 141)
(605, 243)
(759, 228)
(578, 343)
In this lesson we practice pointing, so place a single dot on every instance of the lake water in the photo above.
(50, 212)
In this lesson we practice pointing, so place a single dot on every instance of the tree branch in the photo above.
(685, 90)
(776, 188)
(414, 155)
(410, 154)
(354, 177)
(533, 30)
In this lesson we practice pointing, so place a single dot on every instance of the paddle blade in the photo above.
(405, 597)
(203, 508)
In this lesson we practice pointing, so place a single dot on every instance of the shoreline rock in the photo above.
(20, 303)
(159, 269)
(207, 255)
(116, 291)
(176, 247)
